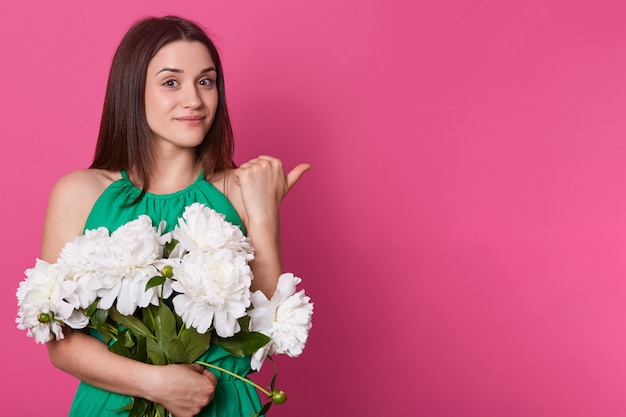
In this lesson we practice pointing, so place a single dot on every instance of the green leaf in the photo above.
(119, 348)
(140, 407)
(243, 343)
(130, 322)
(141, 353)
(148, 319)
(244, 322)
(176, 352)
(98, 317)
(127, 407)
(179, 321)
(265, 409)
(165, 324)
(92, 307)
(169, 247)
(155, 282)
(126, 337)
(155, 352)
(166, 334)
(195, 344)
(160, 411)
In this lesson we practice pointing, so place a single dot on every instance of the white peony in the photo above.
(41, 301)
(204, 229)
(285, 318)
(133, 251)
(87, 258)
(214, 290)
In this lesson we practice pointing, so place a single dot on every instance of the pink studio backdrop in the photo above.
(463, 229)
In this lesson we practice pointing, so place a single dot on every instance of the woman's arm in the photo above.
(259, 186)
(182, 389)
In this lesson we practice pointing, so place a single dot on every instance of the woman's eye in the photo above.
(170, 83)
(207, 82)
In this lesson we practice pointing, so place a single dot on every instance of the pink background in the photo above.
(463, 229)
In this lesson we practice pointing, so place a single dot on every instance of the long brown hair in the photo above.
(125, 139)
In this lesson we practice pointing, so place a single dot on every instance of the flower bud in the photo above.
(278, 396)
(45, 318)
(167, 271)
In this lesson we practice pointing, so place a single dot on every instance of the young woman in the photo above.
(165, 142)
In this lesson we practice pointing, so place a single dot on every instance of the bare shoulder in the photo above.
(71, 199)
(77, 191)
(85, 182)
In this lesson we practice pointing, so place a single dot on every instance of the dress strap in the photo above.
(200, 177)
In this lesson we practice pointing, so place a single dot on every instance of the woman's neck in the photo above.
(174, 171)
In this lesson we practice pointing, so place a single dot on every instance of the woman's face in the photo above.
(181, 94)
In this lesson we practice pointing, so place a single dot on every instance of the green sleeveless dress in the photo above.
(233, 398)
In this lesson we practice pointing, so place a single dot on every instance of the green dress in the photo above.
(233, 398)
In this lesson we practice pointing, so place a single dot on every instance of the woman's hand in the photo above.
(184, 390)
(263, 184)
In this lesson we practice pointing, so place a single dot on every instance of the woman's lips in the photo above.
(192, 120)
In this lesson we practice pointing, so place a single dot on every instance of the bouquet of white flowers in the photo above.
(124, 285)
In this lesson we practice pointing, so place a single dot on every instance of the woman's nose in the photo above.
(191, 98)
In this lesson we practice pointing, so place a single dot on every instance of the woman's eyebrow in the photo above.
(176, 70)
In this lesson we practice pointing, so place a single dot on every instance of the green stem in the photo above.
(107, 330)
(246, 380)
(148, 312)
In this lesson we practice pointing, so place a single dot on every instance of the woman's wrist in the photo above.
(148, 379)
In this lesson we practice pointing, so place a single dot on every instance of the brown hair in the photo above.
(125, 139)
